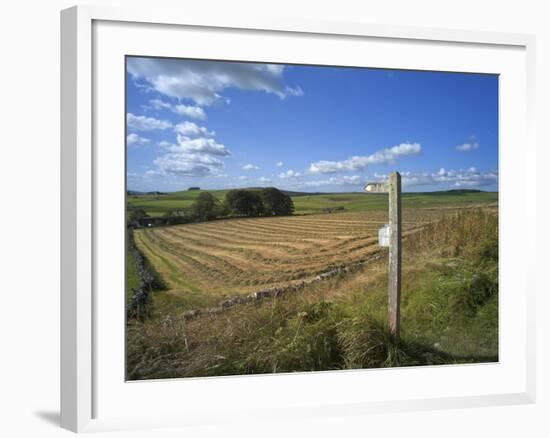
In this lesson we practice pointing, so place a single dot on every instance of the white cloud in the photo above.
(191, 111)
(264, 180)
(357, 163)
(188, 164)
(152, 173)
(190, 129)
(135, 140)
(202, 145)
(279, 164)
(204, 81)
(471, 177)
(289, 174)
(250, 167)
(195, 153)
(354, 180)
(160, 104)
(296, 91)
(467, 146)
(144, 123)
(194, 112)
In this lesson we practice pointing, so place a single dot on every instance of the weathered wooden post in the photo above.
(391, 236)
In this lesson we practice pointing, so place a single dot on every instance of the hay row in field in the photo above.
(236, 257)
(279, 292)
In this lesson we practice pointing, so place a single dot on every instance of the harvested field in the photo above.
(232, 257)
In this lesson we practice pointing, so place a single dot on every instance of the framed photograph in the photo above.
(253, 209)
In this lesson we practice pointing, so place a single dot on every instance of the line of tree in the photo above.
(264, 202)
(207, 207)
(240, 202)
(237, 203)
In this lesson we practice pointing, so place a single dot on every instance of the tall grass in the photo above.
(142, 280)
(449, 315)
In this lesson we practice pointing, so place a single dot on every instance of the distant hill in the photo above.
(289, 192)
(222, 192)
(465, 191)
(158, 203)
(297, 193)
(451, 192)
(136, 193)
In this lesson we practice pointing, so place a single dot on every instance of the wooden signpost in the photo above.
(393, 188)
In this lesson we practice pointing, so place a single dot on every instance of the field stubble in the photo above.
(205, 262)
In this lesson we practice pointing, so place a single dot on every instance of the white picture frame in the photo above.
(85, 377)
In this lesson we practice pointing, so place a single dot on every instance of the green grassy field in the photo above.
(157, 205)
(366, 201)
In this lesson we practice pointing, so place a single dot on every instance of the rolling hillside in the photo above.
(158, 204)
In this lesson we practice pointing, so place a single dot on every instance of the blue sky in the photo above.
(308, 128)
